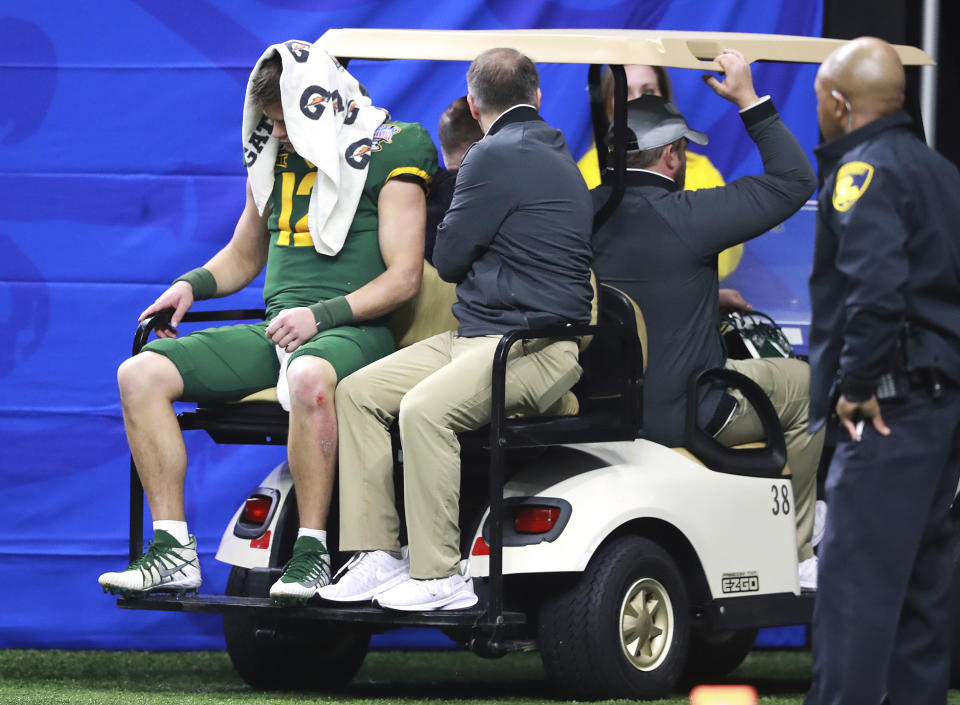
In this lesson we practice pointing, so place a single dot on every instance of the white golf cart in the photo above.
(626, 563)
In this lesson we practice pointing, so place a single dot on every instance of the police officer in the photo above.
(885, 354)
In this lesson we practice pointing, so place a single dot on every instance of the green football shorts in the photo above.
(229, 362)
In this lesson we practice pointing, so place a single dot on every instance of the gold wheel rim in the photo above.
(646, 624)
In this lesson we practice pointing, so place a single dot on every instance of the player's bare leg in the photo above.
(312, 455)
(149, 383)
(312, 440)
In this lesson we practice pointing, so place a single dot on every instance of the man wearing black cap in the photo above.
(661, 246)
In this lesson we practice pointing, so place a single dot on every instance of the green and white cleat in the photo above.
(305, 573)
(167, 566)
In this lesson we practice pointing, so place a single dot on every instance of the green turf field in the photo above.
(207, 678)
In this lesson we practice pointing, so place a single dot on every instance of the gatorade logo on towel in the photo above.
(358, 153)
(258, 138)
(299, 50)
(315, 99)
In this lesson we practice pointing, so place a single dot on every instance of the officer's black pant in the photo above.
(882, 614)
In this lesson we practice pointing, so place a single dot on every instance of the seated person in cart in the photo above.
(517, 242)
(661, 248)
(457, 130)
(325, 310)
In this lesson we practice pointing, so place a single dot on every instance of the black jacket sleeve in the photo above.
(711, 220)
(872, 254)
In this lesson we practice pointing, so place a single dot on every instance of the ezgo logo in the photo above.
(740, 582)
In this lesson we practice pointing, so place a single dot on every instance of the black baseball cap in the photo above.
(654, 122)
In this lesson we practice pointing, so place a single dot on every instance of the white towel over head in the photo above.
(330, 121)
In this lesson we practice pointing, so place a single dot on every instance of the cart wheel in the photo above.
(272, 654)
(621, 631)
(712, 655)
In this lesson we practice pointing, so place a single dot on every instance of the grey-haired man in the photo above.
(661, 247)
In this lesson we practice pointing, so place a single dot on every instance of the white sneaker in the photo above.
(819, 521)
(452, 593)
(366, 575)
(167, 566)
(808, 574)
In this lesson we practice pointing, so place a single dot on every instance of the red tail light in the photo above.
(480, 547)
(536, 520)
(256, 510)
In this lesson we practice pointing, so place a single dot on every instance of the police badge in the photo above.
(852, 182)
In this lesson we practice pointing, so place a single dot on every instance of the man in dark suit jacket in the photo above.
(661, 247)
(517, 242)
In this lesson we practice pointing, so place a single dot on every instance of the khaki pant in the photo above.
(437, 387)
(787, 384)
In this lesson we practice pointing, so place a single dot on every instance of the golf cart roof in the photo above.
(688, 50)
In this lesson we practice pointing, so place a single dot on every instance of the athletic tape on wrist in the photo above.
(202, 281)
(332, 313)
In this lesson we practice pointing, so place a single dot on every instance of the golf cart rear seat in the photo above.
(258, 418)
(599, 408)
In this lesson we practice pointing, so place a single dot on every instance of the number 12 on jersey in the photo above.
(301, 230)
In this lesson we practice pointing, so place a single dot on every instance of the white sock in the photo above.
(177, 529)
(319, 534)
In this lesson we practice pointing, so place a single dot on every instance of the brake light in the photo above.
(536, 520)
(256, 510)
(480, 547)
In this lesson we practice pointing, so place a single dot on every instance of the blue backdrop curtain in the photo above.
(120, 169)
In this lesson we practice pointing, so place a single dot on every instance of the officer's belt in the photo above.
(930, 380)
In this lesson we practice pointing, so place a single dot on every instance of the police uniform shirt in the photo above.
(887, 251)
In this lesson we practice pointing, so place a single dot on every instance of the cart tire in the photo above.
(622, 629)
(714, 655)
(272, 654)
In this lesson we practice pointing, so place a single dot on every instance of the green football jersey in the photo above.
(298, 275)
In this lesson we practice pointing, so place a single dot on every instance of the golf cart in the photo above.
(628, 564)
